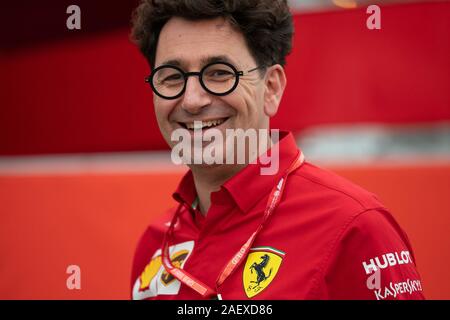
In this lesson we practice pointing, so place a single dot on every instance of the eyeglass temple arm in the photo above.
(241, 73)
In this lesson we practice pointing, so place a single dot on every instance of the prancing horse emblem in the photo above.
(260, 269)
(260, 274)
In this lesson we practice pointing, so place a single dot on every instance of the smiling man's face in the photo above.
(191, 45)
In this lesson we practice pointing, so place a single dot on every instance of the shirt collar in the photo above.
(186, 189)
(248, 186)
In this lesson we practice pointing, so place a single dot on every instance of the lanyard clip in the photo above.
(218, 297)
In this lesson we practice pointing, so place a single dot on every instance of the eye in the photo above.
(219, 74)
(173, 77)
(168, 76)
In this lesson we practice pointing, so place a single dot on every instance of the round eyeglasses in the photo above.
(217, 78)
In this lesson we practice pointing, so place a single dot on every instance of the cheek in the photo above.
(251, 101)
(162, 112)
(163, 109)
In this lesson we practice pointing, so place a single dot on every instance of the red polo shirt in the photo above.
(328, 239)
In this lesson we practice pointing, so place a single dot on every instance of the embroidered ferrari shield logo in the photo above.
(155, 280)
(177, 260)
(260, 269)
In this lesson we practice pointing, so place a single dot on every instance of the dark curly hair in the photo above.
(266, 24)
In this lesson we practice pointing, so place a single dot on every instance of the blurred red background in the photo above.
(83, 91)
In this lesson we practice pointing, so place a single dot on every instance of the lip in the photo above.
(183, 124)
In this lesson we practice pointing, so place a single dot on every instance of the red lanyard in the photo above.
(233, 264)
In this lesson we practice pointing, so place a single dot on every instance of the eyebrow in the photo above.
(204, 61)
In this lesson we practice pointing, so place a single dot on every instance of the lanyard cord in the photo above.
(233, 264)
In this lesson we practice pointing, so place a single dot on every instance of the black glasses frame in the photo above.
(186, 76)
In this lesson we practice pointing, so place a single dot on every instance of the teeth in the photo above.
(198, 125)
(204, 124)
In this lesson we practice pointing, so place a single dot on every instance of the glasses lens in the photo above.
(168, 81)
(219, 78)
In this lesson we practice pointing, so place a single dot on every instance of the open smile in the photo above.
(203, 124)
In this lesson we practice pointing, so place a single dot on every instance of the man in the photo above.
(299, 232)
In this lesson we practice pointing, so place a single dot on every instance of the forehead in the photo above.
(193, 43)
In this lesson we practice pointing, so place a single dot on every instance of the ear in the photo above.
(274, 88)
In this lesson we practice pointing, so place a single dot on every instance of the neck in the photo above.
(209, 179)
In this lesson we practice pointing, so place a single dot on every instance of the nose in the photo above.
(195, 97)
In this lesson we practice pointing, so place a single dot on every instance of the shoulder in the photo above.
(353, 208)
(322, 205)
(321, 181)
(155, 229)
(329, 196)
